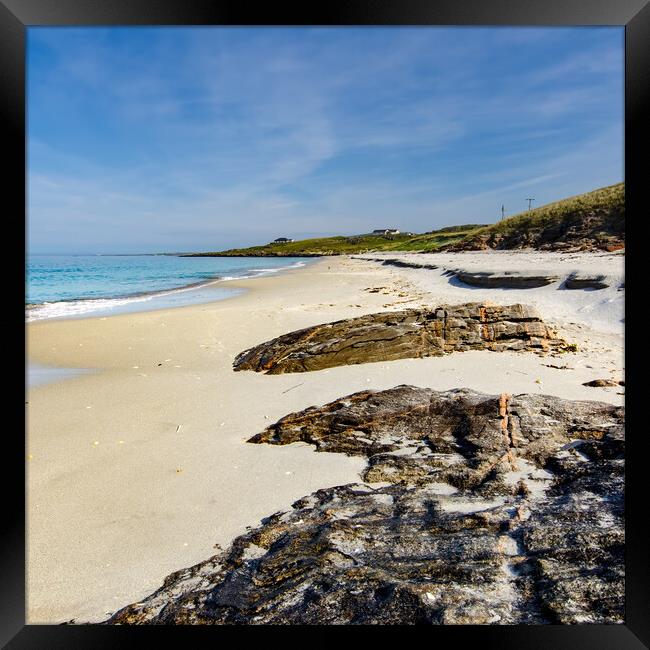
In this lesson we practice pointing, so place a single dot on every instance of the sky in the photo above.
(166, 139)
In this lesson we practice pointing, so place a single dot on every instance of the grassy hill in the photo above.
(430, 241)
(591, 221)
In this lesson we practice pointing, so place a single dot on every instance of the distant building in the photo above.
(282, 240)
(385, 231)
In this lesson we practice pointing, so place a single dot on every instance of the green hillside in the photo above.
(354, 244)
(591, 221)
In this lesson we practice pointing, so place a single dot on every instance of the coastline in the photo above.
(207, 289)
(138, 469)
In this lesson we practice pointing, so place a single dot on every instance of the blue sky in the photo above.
(177, 139)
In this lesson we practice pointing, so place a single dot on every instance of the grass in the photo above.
(601, 212)
(597, 215)
(354, 244)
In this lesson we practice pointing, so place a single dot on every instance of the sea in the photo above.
(74, 286)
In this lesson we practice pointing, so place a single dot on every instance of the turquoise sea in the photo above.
(59, 286)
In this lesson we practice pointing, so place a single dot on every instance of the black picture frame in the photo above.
(634, 15)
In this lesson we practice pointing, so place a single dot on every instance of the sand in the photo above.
(139, 468)
(601, 309)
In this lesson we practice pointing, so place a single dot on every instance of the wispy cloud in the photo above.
(183, 138)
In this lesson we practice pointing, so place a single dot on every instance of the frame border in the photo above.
(634, 15)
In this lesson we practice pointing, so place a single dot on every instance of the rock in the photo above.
(603, 383)
(493, 510)
(507, 280)
(578, 280)
(404, 264)
(412, 333)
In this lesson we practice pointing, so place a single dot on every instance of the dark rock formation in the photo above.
(507, 280)
(492, 509)
(396, 261)
(603, 383)
(403, 334)
(583, 281)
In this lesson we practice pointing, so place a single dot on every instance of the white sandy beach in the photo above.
(139, 468)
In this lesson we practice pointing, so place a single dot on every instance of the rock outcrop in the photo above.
(412, 333)
(402, 263)
(603, 383)
(508, 280)
(578, 280)
(490, 510)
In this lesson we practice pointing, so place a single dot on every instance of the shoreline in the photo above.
(38, 374)
(125, 303)
(138, 469)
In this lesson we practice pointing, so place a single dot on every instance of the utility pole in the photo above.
(529, 202)
(503, 212)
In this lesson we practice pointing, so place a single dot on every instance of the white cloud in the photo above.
(251, 131)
